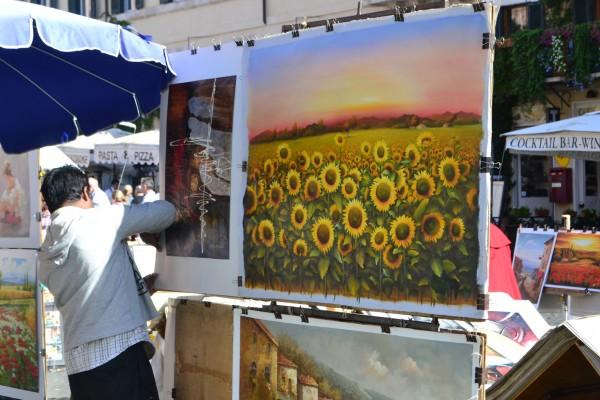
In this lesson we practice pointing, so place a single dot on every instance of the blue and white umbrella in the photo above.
(62, 75)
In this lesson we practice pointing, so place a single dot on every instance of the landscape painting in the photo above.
(533, 252)
(19, 366)
(363, 170)
(576, 261)
(198, 166)
(282, 360)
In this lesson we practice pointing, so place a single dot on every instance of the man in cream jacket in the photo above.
(104, 303)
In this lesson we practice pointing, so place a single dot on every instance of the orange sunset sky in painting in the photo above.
(422, 68)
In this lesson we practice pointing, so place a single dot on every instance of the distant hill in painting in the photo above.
(402, 122)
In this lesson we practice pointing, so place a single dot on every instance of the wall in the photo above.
(251, 351)
(287, 381)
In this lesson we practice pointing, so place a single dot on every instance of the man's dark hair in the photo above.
(114, 182)
(61, 185)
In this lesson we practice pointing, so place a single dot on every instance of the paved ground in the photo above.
(57, 385)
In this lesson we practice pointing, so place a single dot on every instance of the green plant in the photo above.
(541, 212)
(586, 53)
(529, 75)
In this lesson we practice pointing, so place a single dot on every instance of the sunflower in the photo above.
(339, 140)
(250, 200)
(425, 139)
(322, 234)
(293, 165)
(298, 216)
(402, 231)
(388, 166)
(282, 239)
(331, 157)
(261, 187)
(380, 151)
(261, 199)
(435, 169)
(349, 188)
(255, 175)
(335, 213)
(300, 248)
(355, 218)
(412, 154)
(266, 232)
(312, 189)
(432, 226)
(402, 189)
(303, 161)
(390, 259)
(343, 169)
(284, 153)
(256, 237)
(373, 168)
(397, 156)
(330, 177)
(449, 172)
(465, 168)
(357, 160)
(276, 195)
(448, 152)
(344, 245)
(472, 199)
(293, 182)
(383, 193)
(423, 186)
(268, 167)
(365, 148)
(379, 238)
(355, 174)
(317, 159)
(456, 229)
(403, 172)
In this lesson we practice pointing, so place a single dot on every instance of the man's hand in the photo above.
(152, 239)
(149, 281)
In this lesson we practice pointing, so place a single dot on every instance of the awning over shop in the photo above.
(81, 150)
(140, 148)
(52, 157)
(577, 137)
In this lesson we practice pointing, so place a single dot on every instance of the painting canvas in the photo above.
(286, 359)
(19, 200)
(363, 169)
(19, 363)
(198, 166)
(533, 252)
(576, 261)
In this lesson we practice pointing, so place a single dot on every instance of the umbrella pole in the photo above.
(122, 172)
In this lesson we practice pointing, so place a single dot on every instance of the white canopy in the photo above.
(52, 157)
(81, 149)
(577, 137)
(139, 148)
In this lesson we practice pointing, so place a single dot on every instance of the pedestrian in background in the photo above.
(99, 198)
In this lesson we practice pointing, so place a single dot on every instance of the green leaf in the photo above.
(380, 221)
(421, 209)
(452, 194)
(337, 255)
(260, 253)
(314, 253)
(353, 286)
(436, 267)
(360, 258)
(423, 282)
(449, 266)
(463, 249)
(271, 263)
(323, 267)
(413, 253)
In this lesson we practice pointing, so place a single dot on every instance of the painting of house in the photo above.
(287, 377)
(258, 361)
(308, 388)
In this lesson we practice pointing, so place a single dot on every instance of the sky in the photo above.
(530, 248)
(14, 269)
(395, 366)
(424, 67)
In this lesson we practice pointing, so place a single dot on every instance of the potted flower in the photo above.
(541, 212)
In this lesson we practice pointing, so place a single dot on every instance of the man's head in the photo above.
(66, 185)
(115, 184)
(93, 183)
(148, 184)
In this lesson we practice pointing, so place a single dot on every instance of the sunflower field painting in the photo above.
(363, 170)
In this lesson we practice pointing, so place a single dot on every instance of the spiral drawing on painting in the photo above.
(198, 172)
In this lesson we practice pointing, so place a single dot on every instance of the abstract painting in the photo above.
(283, 360)
(533, 252)
(576, 261)
(19, 367)
(198, 166)
(363, 169)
